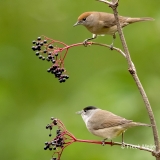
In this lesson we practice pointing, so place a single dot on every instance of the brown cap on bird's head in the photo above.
(82, 18)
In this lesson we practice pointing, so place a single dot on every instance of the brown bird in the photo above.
(105, 124)
(101, 23)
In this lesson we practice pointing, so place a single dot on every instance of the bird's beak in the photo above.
(79, 112)
(77, 23)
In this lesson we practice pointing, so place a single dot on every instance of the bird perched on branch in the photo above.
(105, 124)
(102, 23)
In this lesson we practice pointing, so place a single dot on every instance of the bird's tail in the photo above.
(139, 124)
(133, 20)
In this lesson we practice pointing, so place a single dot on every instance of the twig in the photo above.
(123, 145)
(110, 3)
(136, 79)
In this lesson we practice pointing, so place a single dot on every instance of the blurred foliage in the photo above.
(29, 96)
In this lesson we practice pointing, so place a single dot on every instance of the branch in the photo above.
(112, 3)
(123, 145)
(48, 49)
(64, 138)
(136, 79)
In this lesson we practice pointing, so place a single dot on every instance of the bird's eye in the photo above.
(84, 19)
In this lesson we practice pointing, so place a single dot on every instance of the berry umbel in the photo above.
(61, 140)
(46, 49)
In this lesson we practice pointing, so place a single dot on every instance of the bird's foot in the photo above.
(111, 46)
(114, 37)
(122, 145)
(103, 142)
(85, 42)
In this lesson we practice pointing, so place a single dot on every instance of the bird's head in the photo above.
(86, 19)
(87, 112)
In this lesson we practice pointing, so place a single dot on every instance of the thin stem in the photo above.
(94, 43)
(123, 145)
(92, 141)
(137, 81)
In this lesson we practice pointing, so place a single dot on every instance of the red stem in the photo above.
(91, 141)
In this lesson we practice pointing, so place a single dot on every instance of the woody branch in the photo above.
(133, 72)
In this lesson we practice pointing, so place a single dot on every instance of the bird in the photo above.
(105, 124)
(102, 23)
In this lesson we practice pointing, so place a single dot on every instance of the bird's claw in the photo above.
(122, 145)
(111, 46)
(85, 43)
(103, 143)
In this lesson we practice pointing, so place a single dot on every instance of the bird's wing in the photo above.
(107, 120)
(108, 20)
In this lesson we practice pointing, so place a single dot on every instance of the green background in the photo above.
(29, 96)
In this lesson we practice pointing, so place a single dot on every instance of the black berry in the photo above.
(39, 38)
(45, 41)
(34, 42)
(50, 46)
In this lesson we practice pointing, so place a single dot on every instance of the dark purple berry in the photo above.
(45, 41)
(45, 51)
(37, 53)
(56, 54)
(46, 143)
(62, 69)
(34, 48)
(66, 76)
(50, 135)
(55, 67)
(55, 122)
(49, 57)
(40, 56)
(48, 70)
(52, 118)
(55, 71)
(34, 42)
(50, 46)
(62, 79)
(58, 74)
(39, 38)
(45, 147)
(53, 61)
(39, 47)
(41, 43)
(58, 131)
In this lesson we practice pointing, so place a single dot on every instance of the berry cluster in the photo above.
(63, 138)
(57, 142)
(45, 50)
(57, 71)
(60, 141)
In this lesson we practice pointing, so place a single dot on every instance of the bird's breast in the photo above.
(101, 30)
(108, 133)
